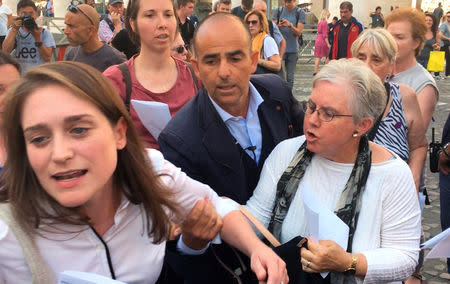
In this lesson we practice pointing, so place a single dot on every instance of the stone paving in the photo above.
(434, 271)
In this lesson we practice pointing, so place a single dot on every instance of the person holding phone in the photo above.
(290, 20)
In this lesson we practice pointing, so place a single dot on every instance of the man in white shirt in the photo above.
(5, 21)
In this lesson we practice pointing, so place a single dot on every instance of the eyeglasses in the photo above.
(75, 9)
(324, 115)
(254, 22)
(180, 49)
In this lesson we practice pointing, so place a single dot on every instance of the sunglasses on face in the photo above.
(75, 9)
(254, 22)
(180, 49)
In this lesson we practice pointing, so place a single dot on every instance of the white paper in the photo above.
(322, 223)
(78, 277)
(153, 115)
(440, 244)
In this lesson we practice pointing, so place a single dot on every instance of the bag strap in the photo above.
(123, 67)
(280, 10)
(193, 76)
(110, 23)
(40, 272)
(259, 226)
(373, 132)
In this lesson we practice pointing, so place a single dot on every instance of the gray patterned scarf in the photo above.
(348, 205)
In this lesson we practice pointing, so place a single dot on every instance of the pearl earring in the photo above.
(355, 134)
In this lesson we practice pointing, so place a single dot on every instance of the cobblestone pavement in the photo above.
(434, 269)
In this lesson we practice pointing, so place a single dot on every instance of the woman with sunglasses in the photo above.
(269, 56)
(179, 49)
(80, 192)
(154, 74)
(367, 186)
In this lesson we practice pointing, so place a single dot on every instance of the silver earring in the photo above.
(355, 134)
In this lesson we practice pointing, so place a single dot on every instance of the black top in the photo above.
(343, 39)
(187, 30)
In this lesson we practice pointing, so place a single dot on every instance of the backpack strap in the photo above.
(40, 272)
(194, 77)
(110, 23)
(123, 67)
(271, 28)
(280, 10)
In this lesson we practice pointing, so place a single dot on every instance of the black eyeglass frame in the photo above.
(75, 9)
(309, 110)
(253, 22)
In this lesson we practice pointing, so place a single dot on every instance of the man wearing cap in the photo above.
(82, 23)
(113, 23)
(32, 45)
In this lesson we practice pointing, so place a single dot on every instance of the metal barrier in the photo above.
(307, 49)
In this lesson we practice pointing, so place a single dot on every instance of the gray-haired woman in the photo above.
(368, 187)
(401, 128)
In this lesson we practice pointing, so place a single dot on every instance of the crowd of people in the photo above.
(85, 186)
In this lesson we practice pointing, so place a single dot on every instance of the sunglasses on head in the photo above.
(180, 49)
(75, 9)
(254, 22)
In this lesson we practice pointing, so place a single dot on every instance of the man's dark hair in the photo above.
(335, 18)
(346, 5)
(26, 3)
(248, 4)
(184, 2)
(226, 2)
(6, 59)
(378, 7)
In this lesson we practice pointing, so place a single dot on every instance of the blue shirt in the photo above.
(246, 131)
(291, 16)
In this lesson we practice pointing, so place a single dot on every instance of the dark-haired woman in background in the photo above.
(155, 74)
(432, 40)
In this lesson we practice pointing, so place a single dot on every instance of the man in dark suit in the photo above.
(224, 134)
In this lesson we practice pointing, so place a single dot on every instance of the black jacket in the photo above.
(198, 141)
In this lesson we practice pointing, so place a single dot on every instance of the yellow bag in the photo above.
(436, 61)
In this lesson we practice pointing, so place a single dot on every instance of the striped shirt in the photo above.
(392, 132)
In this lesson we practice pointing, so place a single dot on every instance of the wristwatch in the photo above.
(445, 152)
(352, 269)
(38, 43)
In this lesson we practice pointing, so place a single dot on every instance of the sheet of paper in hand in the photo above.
(78, 277)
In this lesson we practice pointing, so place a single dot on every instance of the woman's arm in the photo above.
(417, 140)
(273, 61)
(235, 230)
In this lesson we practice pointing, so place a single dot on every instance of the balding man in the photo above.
(82, 24)
(224, 134)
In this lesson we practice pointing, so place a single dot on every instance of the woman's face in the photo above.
(254, 25)
(71, 146)
(402, 33)
(332, 140)
(156, 24)
(428, 22)
(7, 81)
(379, 64)
(177, 46)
